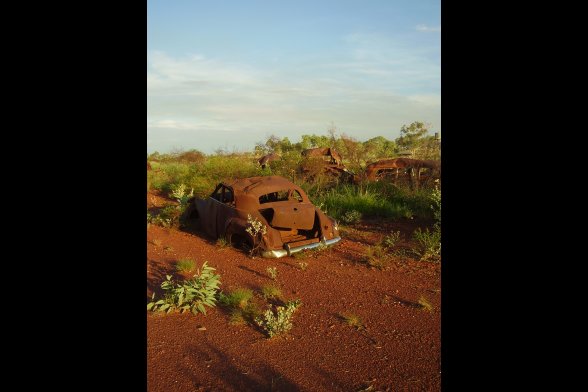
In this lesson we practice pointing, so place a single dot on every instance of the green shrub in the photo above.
(280, 321)
(376, 256)
(192, 294)
(352, 216)
(167, 217)
(391, 239)
(181, 195)
(257, 230)
(270, 292)
(429, 243)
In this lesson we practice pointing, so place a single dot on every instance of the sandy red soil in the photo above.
(399, 349)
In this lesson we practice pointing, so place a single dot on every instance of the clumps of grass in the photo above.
(391, 239)
(271, 291)
(376, 256)
(185, 265)
(272, 272)
(222, 242)
(429, 243)
(189, 295)
(238, 298)
(352, 216)
(243, 309)
(168, 248)
(352, 320)
(425, 304)
(278, 321)
(302, 265)
(301, 255)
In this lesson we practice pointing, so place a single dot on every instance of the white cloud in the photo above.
(427, 29)
(203, 103)
(429, 100)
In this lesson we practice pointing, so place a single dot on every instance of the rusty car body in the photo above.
(293, 222)
(264, 160)
(403, 168)
(325, 152)
(324, 160)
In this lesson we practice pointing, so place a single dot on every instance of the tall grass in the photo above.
(373, 200)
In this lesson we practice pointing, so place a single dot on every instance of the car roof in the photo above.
(261, 185)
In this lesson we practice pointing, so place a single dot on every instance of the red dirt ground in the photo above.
(399, 349)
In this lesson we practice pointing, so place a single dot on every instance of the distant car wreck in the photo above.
(264, 160)
(325, 160)
(293, 222)
(333, 156)
(403, 168)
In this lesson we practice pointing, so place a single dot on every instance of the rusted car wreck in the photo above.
(399, 168)
(325, 160)
(293, 223)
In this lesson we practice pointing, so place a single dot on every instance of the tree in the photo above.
(415, 138)
(379, 148)
(411, 136)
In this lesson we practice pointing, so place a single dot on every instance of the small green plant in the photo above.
(391, 239)
(185, 265)
(435, 198)
(376, 256)
(352, 216)
(238, 298)
(243, 309)
(190, 295)
(179, 193)
(279, 321)
(222, 242)
(425, 304)
(352, 320)
(167, 217)
(257, 230)
(303, 254)
(156, 242)
(271, 291)
(303, 265)
(321, 247)
(272, 272)
(408, 214)
(237, 317)
(429, 243)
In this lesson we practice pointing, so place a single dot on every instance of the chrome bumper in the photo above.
(275, 254)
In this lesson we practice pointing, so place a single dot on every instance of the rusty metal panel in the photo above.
(293, 215)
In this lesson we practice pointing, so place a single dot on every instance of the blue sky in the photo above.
(227, 74)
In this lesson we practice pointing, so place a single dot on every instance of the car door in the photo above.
(225, 210)
(208, 211)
